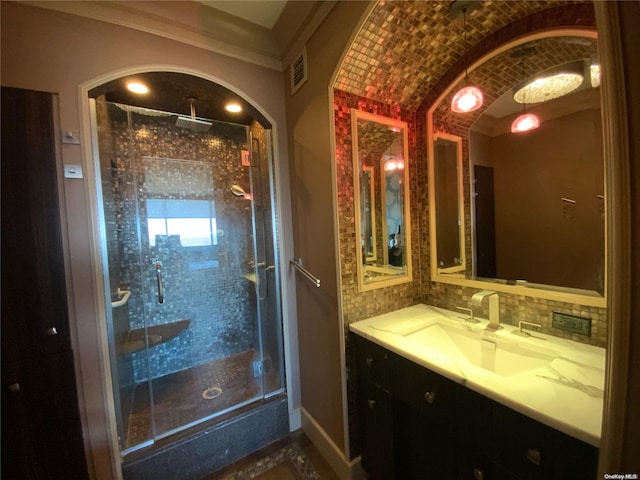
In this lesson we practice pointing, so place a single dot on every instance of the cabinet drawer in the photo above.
(373, 362)
(424, 390)
(534, 451)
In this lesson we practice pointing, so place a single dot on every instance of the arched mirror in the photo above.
(531, 217)
(381, 192)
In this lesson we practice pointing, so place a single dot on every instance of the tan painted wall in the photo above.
(310, 116)
(51, 51)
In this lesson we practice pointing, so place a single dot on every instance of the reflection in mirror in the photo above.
(449, 197)
(382, 208)
(535, 199)
(368, 209)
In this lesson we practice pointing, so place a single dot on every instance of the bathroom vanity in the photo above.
(429, 408)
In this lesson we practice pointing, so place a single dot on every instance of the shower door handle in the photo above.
(160, 283)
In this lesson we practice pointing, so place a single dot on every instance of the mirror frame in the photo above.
(432, 201)
(404, 128)
(563, 295)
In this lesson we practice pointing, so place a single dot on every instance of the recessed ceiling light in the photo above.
(137, 87)
(233, 107)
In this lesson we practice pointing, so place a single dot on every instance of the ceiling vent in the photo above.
(298, 71)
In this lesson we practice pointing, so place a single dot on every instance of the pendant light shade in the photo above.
(524, 123)
(467, 99)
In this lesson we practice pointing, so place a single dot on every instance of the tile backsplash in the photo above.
(360, 305)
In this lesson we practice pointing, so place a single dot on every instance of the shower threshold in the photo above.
(210, 446)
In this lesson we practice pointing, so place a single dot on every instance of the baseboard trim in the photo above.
(295, 420)
(346, 470)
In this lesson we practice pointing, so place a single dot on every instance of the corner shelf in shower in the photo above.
(133, 341)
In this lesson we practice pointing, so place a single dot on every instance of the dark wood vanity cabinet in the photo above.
(417, 424)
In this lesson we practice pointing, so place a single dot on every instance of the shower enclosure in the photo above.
(190, 261)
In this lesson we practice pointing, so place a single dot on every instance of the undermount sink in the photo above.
(496, 355)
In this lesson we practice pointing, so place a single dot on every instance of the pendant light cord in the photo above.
(464, 23)
(524, 91)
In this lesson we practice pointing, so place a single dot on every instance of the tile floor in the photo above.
(294, 446)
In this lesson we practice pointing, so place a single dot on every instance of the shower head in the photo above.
(238, 191)
(192, 122)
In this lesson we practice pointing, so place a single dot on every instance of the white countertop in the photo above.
(567, 397)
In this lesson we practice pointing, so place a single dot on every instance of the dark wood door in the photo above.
(34, 301)
(41, 429)
(485, 222)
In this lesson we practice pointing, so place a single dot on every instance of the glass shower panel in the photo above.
(268, 286)
(200, 332)
(196, 243)
(122, 269)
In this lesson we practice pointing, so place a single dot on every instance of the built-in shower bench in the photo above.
(133, 341)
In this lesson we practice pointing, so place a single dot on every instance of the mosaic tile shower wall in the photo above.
(152, 161)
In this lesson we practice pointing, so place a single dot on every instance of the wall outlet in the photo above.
(571, 323)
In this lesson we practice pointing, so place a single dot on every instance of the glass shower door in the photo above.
(202, 334)
(199, 334)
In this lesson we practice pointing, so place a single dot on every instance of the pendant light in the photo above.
(469, 97)
(526, 121)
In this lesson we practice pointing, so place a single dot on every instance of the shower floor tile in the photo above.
(179, 398)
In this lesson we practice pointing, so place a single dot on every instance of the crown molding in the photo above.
(297, 23)
(191, 23)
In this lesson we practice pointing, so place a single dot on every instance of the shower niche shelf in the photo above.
(133, 341)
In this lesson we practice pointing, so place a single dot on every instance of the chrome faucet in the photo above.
(494, 307)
